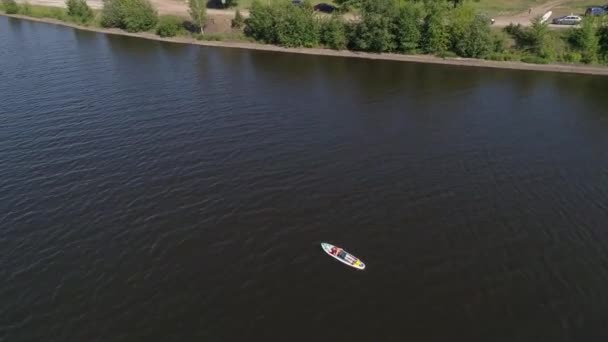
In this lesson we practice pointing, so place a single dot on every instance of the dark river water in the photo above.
(159, 192)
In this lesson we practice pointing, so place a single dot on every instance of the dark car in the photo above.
(596, 11)
(568, 20)
(325, 8)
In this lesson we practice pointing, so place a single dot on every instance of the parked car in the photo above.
(568, 20)
(596, 11)
(325, 8)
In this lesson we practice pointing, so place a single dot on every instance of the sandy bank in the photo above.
(564, 68)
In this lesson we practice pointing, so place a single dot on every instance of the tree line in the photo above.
(444, 28)
(438, 27)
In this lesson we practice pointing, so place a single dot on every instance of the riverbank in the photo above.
(563, 68)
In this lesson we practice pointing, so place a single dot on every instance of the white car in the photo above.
(568, 20)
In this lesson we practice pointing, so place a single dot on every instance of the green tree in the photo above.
(470, 32)
(26, 8)
(408, 27)
(169, 26)
(435, 31)
(260, 24)
(238, 20)
(10, 6)
(376, 30)
(347, 5)
(334, 33)
(79, 10)
(280, 22)
(198, 13)
(586, 39)
(297, 26)
(540, 39)
(130, 15)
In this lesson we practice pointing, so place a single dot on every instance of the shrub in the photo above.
(169, 26)
(79, 10)
(435, 34)
(375, 31)
(408, 27)
(333, 33)
(238, 20)
(571, 57)
(348, 5)
(586, 40)
(260, 24)
(447, 54)
(57, 13)
(470, 32)
(521, 35)
(130, 15)
(26, 9)
(280, 22)
(10, 6)
(499, 42)
(542, 43)
(217, 37)
(534, 59)
(502, 56)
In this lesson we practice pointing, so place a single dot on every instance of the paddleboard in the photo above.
(546, 16)
(342, 256)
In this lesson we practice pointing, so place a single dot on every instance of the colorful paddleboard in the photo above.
(342, 256)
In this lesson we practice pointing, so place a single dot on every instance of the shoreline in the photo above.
(455, 61)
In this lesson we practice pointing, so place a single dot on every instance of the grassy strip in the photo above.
(180, 31)
(37, 11)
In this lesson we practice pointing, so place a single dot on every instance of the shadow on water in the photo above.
(132, 47)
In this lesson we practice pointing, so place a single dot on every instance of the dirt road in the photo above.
(173, 7)
(525, 18)
(180, 8)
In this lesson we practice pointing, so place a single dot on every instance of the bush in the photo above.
(571, 57)
(435, 34)
(348, 5)
(261, 21)
(57, 13)
(521, 35)
(375, 31)
(130, 15)
(536, 39)
(26, 9)
(216, 37)
(10, 6)
(447, 54)
(238, 20)
(169, 26)
(542, 43)
(334, 34)
(470, 33)
(502, 56)
(408, 27)
(79, 10)
(534, 60)
(499, 42)
(586, 40)
(280, 22)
